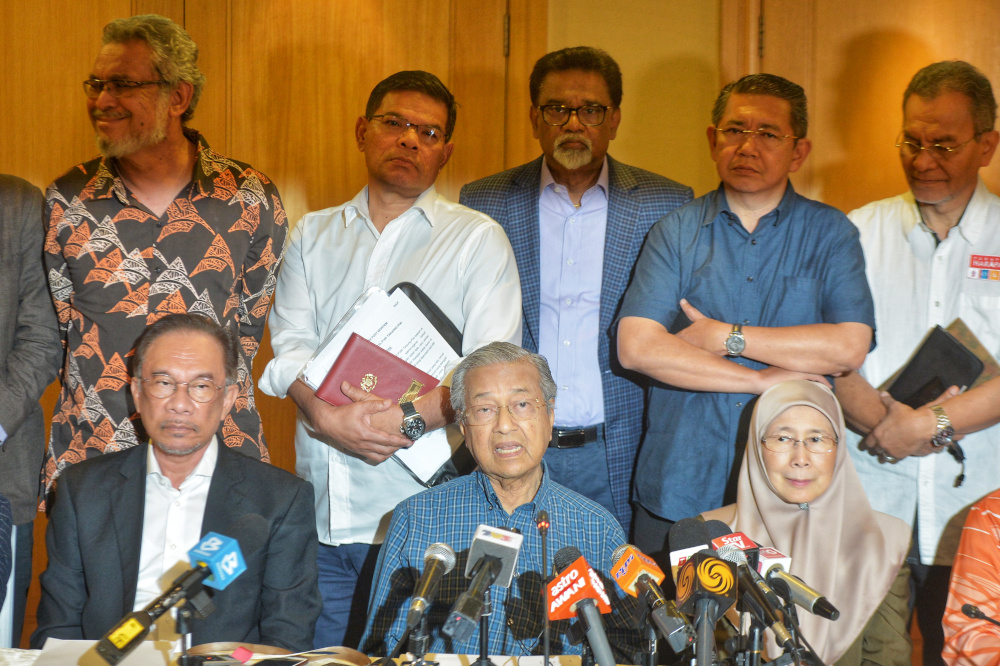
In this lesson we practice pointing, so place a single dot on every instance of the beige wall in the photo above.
(669, 54)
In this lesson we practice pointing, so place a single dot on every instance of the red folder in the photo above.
(375, 370)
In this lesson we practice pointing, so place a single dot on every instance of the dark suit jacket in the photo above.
(636, 199)
(95, 532)
(30, 347)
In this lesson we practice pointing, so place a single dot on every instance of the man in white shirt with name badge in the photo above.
(932, 254)
(397, 229)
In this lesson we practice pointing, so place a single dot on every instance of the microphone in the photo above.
(687, 537)
(737, 540)
(216, 561)
(638, 574)
(492, 560)
(976, 614)
(793, 589)
(755, 600)
(542, 523)
(439, 560)
(578, 592)
(733, 553)
(706, 588)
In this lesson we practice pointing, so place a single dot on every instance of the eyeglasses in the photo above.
(525, 409)
(736, 136)
(163, 386)
(937, 151)
(813, 443)
(116, 87)
(589, 115)
(397, 125)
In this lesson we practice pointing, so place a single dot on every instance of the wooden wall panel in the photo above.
(528, 43)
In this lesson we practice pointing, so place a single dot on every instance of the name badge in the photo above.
(983, 267)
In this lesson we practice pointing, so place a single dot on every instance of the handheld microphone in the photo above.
(578, 592)
(439, 560)
(492, 560)
(706, 588)
(733, 553)
(755, 600)
(687, 537)
(637, 574)
(973, 612)
(216, 561)
(793, 589)
(737, 540)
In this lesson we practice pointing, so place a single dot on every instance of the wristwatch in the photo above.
(413, 425)
(736, 342)
(944, 428)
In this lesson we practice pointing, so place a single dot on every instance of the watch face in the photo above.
(735, 343)
(413, 427)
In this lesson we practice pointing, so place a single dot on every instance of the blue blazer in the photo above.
(636, 199)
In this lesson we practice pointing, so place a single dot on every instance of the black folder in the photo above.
(939, 362)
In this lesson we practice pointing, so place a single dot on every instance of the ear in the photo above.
(232, 392)
(136, 389)
(180, 99)
(614, 120)
(799, 154)
(446, 154)
(360, 129)
(988, 142)
(535, 118)
(713, 138)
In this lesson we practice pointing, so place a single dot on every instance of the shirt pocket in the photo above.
(981, 313)
(796, 300)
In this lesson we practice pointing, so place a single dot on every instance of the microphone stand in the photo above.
(543, 529)
(650, 643)
(704, 646)
(183, 624)
(484, 632)
(418, 645)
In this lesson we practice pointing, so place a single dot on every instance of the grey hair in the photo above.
(186, 322)
(961, 77)
(493, 354)
(175, 55)
(772, 86)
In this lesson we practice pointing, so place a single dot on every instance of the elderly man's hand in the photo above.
(905, 431)
(367, 428)
(703, 332)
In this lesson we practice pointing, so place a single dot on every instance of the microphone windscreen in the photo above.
(717, 528)
(566, 556)
(688, 533)
(443, 552)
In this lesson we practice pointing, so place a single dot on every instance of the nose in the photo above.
(180, 401)
(924, 161)
(800, 455)
(747, 145)
(505, 421)
(408, 138)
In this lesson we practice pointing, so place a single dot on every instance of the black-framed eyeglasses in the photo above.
(522, 409)
(163, 386)
(813, 443)
(937, 151)
(735, 135)
(396, 125)
(116, 87)
(557, 115)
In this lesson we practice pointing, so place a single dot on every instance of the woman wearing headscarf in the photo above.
(799, 493)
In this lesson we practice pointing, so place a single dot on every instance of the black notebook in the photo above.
(939, 362)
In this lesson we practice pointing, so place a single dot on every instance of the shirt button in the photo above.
(937, 304)
(177, 503)
(750, 279)
(173, 546)
(566, 343)
(565, 388)
(753, 242)
(739, 404)
(569, 301)
(570, 262)
(572, 219)
(746, 322)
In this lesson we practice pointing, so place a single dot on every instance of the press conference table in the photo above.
(13, 657)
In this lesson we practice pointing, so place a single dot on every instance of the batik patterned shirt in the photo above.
(115, 267)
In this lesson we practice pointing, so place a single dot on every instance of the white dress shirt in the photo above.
(460, 258)
(171, 526)
(917, 284)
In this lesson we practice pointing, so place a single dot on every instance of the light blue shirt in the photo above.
(570, 271)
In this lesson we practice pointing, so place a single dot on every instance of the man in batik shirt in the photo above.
(159, 224)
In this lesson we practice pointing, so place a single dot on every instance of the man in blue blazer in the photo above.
(121, 524)
(591, 214)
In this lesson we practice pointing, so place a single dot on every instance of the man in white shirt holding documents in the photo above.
(397, 229)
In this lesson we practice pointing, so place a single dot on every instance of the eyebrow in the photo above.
(944, 138)
(490, 394)
(741, 123)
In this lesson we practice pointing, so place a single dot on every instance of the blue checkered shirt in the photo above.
(450, 514)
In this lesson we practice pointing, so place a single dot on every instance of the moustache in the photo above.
(97, 114)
